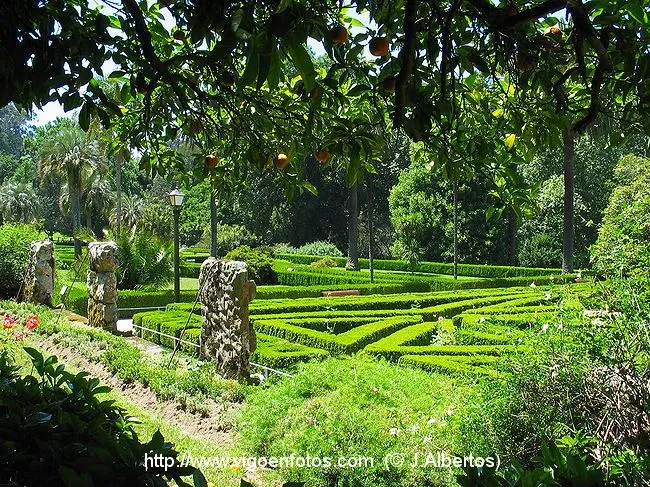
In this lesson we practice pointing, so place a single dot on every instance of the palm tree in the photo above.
(96, 196)
(18, 202)
(132, 208)
(68, 151)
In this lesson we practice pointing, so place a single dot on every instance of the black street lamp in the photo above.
(176, 200)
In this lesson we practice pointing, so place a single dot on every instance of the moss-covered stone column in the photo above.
(39, 280)
(227, 335)
(102, 285)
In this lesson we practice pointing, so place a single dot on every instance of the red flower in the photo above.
(32, 322)
(8, 323)
(19, 336)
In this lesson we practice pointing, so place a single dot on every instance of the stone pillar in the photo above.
(227, 336)
(102, 285)
(39, 279)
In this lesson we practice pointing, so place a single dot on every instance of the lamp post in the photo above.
(176, 200)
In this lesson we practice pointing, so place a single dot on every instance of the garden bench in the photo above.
(343, 292)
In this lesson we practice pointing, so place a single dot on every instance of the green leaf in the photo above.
(275, 69)
(302, 60)
(252, 68)
(84, 116)
(637, 13)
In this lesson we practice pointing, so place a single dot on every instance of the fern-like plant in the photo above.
(144, 260)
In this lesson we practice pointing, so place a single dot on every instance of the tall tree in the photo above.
(353, 228)
(68, 151)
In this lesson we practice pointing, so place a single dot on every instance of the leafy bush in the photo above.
(259, 263)
(56, 430)
(325, 262)
(319, 247)
(541, 250)
(229, 237)
(15, 241)
(470, 270)
(586, 370)
(623, 245)
(144, 260)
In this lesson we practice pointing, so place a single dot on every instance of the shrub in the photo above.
(229, 237)
(15, 241)
(325, 262)
(319, 247)
(259, 263)
(541, 250)
(55, 429)
(623, 245)
(144, 260)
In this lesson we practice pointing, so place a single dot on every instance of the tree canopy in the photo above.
(238, 78)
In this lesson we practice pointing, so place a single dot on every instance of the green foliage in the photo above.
(623, 245)
(325, 262)
(258, 261)
(56, 428)
(144, 260)
(187, 382)
(229, 237)
(567, 463)
(15, 241)
(541, 235)
(488, 271)
(319, 248)
(421, 208)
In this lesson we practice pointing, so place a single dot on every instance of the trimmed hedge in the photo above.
(521, 320)
(278, 353)
(453, 365)
(347, 342)
(434, 267)
(169, 322)
(293, 292)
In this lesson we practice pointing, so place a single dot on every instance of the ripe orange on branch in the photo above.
(196, 126)
(338, 35)
(322, 155)
(378, 46)
(388, 84)
(211, 161)
(228, 79)
(281, 161)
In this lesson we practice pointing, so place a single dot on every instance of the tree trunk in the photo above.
(371, 230)
(89, 218)
(512, 237)
(569, 228)
(214, 247)
(118, 186)
(74, 186)
(353, 229)
(455, 229)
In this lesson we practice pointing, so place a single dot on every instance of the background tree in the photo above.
(68, 151)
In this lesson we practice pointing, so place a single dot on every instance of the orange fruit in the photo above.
(378, 46)
(196, 126)
(388, 84)
(228, 79)
(281, 161)
(211, 161)
(338, 35)
(322, 155)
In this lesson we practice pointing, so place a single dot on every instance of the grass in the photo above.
(355, 406)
